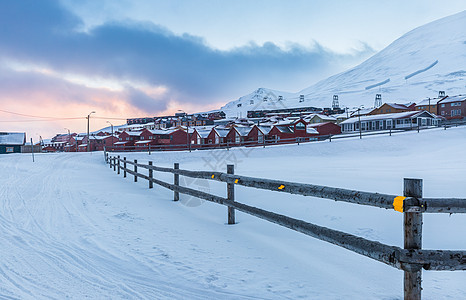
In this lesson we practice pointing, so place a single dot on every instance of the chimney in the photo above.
(441, 94)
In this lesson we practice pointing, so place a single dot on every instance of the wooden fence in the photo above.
(411, 258)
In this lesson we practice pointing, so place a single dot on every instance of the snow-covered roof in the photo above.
(203, 133)
(458, 98)
(143, 142)
(242, 130)
(432, 101)
(284, 129)
(264, 129)
(402, 115)
(323, 117)
(311, 130)
(398, 106)
(160, 131)
(222, 132)
(12, 138)
(318, 124)
(363, 111)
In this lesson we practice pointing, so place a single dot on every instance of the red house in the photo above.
(327, 128)
(238, 135)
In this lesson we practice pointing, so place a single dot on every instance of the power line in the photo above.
(32, 116)
(49, 120)
(54, 118)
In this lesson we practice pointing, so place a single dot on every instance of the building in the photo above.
(404, 120)
(430, 105)
(11, 142)
(390, 108)
(452, 107)
(319, 118)
(327, 128)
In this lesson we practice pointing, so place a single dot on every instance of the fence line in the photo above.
(412, 259)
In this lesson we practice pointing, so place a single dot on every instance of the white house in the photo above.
(403, 120)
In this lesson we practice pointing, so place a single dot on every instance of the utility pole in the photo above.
(187, 130)
(69, 139)
(88, 139)
(32, 150)
(110, 125)
(111, 141)
(359, 117)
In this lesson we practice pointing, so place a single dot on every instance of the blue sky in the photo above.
(135, 58)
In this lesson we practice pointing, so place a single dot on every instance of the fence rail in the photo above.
(411, 259)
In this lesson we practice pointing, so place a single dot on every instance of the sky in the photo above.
(61, 60)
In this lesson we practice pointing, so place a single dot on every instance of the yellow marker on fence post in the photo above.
(281, 187)
(213, 176)
(236, 181)
(398, 203)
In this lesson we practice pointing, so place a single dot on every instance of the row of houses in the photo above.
(237, 135)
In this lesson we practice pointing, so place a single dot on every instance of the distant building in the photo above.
(11, 142)
(390, 108)
(453, 107)
(403, 120)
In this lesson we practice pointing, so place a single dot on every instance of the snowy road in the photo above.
(71, 228)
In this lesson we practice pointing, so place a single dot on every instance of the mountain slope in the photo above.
(422, 62)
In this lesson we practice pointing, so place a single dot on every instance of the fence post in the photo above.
(330, 138)
(124, 167)
(412, 240)
(151, 175)
(135, 171)
(118, 164)
(176, 182)
(114, 163)
(110, 162)
(390, 132)
(231, 195)
(149, 149)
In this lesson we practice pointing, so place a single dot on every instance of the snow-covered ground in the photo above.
(71, 228)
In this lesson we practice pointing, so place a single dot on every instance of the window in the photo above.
(443, 105)
(442, 112)
(389, 124)
(217, 139)
(9, 149)
(260, 137)
(456, 112)
(300, 126)
(456, 104)
(237, 139)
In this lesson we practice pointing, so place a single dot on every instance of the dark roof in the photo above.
(12, 138)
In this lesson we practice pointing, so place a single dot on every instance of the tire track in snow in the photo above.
(52, 243)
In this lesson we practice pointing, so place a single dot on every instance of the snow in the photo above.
(73, 228)
(424, 61)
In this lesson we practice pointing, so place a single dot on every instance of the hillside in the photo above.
(415, 66)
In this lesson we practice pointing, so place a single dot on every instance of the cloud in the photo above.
(45, 33)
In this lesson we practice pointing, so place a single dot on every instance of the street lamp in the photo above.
(88, 140)
(69, 139)
(187, 129)
(111, 125)
(359, 119)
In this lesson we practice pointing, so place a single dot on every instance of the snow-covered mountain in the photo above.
(426, 60)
